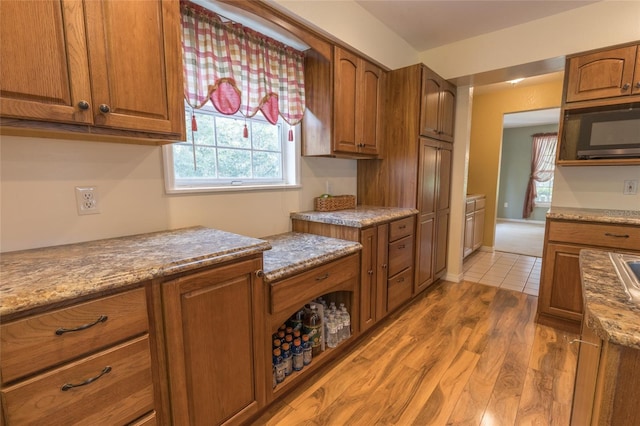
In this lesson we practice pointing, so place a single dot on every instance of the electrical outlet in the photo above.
(630, 187)
(506, 204)
(87, 200)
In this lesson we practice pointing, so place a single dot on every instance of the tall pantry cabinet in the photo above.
(415, 170)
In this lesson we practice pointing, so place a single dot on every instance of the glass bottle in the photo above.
(346, 322)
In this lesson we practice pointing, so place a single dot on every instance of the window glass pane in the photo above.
(183, 161)
(205, 135)
(265, 136)
(234, 163)
(230, 133)
(267, 165)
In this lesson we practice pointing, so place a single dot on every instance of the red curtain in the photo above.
(239, 69)
(543, 153)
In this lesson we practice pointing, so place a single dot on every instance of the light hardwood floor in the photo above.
(460, 354)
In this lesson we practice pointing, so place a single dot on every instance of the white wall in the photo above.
(598, 187)
(600, 24)
(39, 176)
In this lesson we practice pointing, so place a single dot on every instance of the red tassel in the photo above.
(194, 125)
(290, 135)
(245, 132)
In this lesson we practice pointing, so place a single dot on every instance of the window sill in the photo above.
(238, 188)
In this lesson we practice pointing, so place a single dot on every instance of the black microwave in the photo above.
(609, 134)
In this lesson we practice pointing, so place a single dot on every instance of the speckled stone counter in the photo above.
(38, 278)
(295, 252)
(471, 197)
(608, 310)
(627, 217)
(360, 217)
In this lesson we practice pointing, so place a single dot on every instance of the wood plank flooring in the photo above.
(460, 354)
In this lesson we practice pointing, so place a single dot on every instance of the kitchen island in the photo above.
(608, 372)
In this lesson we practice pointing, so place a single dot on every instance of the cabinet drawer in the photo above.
(121, 395)
(292, 293)
(399, 289)
(32, 344)
(470, 206)
(401, 228)
(400, 255)
(480, 202)
(595, 234)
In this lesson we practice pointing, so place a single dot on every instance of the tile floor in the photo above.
(506, 270)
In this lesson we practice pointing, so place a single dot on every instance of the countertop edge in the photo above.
(607, 310)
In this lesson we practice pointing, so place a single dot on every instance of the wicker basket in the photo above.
(337, 202)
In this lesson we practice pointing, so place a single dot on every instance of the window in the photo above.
(226, 160)
(544, 189)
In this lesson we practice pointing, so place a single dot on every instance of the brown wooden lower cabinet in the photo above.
(88, 363)
(607, 383)
(561, 303)
(337, 282)
(383, 256)
(560, 296)
(213, 324)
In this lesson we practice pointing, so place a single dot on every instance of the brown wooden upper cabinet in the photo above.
(344, 97)
(604, 74)
(437, 106)
(106, 64)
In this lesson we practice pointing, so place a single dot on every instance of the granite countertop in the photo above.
(475, 196)
(38, 278)
(360, 217)
(608, 310)
(295, 252)
(625, 217)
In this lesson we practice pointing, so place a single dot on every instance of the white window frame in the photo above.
(290, 167)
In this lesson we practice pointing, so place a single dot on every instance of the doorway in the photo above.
(513, 233)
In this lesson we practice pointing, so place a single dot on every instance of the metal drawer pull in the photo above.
(609, 234)
(68, 386)
(583, 341)
(400, 247)
(402, 227)
(322, 277)
(61, 331)
(400, 280)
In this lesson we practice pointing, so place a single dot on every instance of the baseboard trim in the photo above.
(456, 278)
(532, 222)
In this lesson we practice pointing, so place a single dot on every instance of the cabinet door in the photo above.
(441, 238)
(636, 75)
(602, 74)
(44, 72)
(136, 67)
(427, 178)
(214, 344)
(444, 179)
(424, 252)
(383, 270)
(430, 103)
(447, 112)
(584, 389)
(561, 286)
(368, 276)
(345, 101)
(368, 106)
(468, 234)
(478, 228)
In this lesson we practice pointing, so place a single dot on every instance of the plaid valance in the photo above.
(239, 69)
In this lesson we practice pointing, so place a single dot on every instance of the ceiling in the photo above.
(426, 24)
